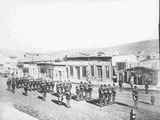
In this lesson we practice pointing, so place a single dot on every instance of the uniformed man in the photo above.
(152, 99)
(100, 91)
(52, 85)
(9, 83)
(105, 94)
(60, 93)
(90, 89)
(78, 93)
(109, 93)
(146, 87)
(85, 90)
(81, 90)
(113, 94)
(44, 90)
(68, 96)
(26, 88)
(135, 96)
(13, 84)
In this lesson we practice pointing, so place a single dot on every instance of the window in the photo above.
(71, 70)
(107, 71)
(78, 72)
(99, 68)
(121, 65)
(92, 70)
(84, 72)
(67, 73)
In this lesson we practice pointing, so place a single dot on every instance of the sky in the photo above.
(52, 25)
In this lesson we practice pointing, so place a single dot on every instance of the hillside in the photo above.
(143, 48)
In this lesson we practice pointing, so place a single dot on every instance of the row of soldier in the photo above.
(107, 94)
(84, 91)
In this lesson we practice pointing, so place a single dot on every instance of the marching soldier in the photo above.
(81, 90)
(152, 99)
(68, 96)
(13, 82)
(9, 83)
(90, 89)
(132, 115)
(146, 87)
(109, 93)
(26, 88)
(52, 85)
(60, 92)
(77, 93)
(113, 94)
(44, 90)
(100, 91)
(105, 94)
(135, 96)
(85, 90)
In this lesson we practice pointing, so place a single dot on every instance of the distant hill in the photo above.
(144, 48)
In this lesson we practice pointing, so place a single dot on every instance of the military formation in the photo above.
(84, 91)
(107, 94)
(64, 90)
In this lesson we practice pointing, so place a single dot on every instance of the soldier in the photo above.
(85, 90)
(90, 89)
(29, 85)
(52, 85)
(146, 87)
(109, 93)
(77, 93)
(105, 94)
(60, 93)
(9, 83)
(68, 96)
(100, 91)
(113, 94)
(26, 88)
(81, 90)
(34, 85)
(17, 82)
(152, 99)
(135, 96)
(13, 82)
(44, 90)
(70, 85)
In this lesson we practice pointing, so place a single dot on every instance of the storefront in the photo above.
(142, 74)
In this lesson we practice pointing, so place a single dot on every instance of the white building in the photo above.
(76, 69)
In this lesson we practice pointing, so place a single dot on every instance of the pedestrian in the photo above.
(152, 99)
(44, 90)
(68, 97)
(132, 81)
(85, 86)
(9, 83)
(77, 93)
(90, 89)
(60, 93)
(81, 90)
(132, 115)
(101, 93)
(113, 94)
(13, 84)
(26, 88)
(146, 87)
(135, 96)
(105, 94)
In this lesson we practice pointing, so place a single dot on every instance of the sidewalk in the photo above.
(141, 87)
